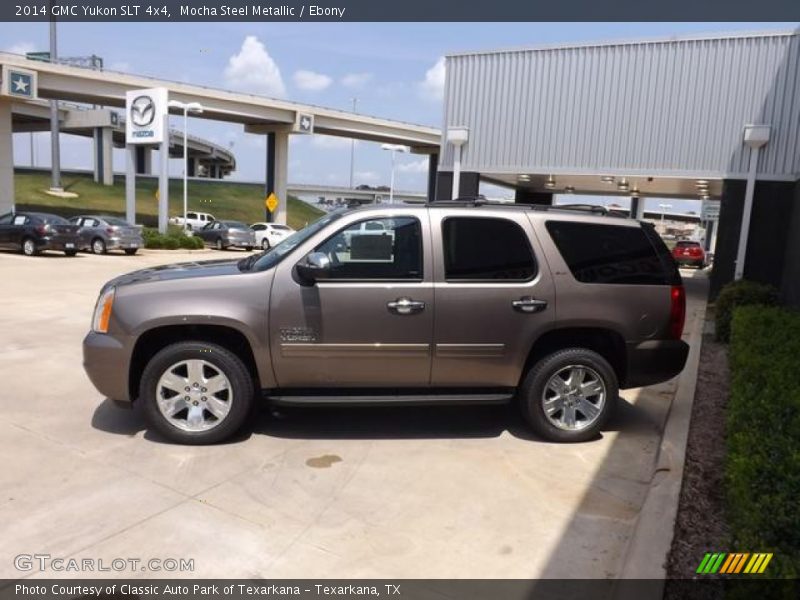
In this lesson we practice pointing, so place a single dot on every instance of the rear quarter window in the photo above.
(613, 254)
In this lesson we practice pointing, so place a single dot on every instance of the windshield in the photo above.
(270, 258)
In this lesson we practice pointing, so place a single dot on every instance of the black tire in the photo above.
(29, 247)
(248, 248)
(241, 385)
(98, 246)
(131, 251)
(219, 245)
(265, 244)
(532, 390)
(70, 252)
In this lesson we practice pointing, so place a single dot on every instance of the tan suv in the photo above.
(463, 302)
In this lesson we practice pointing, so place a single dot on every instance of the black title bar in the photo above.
(399, 10)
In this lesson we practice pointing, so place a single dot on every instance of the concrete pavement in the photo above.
(393, 492)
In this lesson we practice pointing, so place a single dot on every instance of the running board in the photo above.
(389, 399)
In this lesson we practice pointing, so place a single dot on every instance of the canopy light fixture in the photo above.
(524, 177)
(607, 179)
(550, 183)
(623, 185)
(569, 189)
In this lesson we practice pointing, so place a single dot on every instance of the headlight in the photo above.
(102, 311)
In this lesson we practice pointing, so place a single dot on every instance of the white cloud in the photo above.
(365, 177)
(254, 70)
(418, 166)
(330, 141)
(432, 87)
(311, 81)
(21, 48)
(356, 80)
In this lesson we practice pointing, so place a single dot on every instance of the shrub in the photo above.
(174, 239)
(740, 293)
(763, 438)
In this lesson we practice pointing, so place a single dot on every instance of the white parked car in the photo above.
(194, 220)
(270, 234)
(368, 228)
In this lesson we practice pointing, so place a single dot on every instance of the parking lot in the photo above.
(372, 492)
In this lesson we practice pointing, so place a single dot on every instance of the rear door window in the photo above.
(610, 254)
(486, 249)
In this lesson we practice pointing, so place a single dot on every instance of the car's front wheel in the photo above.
(196, 393)
(219, 244)
(98, 246)
(568, 395)
(131, 251)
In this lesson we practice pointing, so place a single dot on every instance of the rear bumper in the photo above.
(106, 361)
(58, 243)
(124, 243)
(654, 361)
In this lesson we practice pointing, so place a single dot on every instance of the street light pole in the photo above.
(663, 208)
(353, 149)
(195, 107)
(55, 150)
(393, 148)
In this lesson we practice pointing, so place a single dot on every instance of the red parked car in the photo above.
(689, 253)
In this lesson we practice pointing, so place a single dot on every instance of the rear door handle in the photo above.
(529, 305)
(405, 306)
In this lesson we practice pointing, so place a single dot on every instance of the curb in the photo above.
(647, 550)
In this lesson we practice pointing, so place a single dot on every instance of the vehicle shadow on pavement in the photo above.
(373, 422)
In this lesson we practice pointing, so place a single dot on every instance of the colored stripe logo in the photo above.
(734, 563)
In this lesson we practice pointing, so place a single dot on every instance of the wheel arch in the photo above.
(606, 342)
(153, 340)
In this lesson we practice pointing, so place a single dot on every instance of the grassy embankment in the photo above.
(224, 199)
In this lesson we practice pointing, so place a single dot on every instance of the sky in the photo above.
(394, 70)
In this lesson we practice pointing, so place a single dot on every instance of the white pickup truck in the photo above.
(194, 220)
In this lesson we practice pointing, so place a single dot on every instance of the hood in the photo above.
(186, 270)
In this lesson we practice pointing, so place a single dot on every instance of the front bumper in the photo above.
(106, 361)
(654, 361)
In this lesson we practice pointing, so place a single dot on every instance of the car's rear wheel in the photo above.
(196, 393)
(98, 246)
(29, 247)
(265, 244)
(568, 395)
(131, 251)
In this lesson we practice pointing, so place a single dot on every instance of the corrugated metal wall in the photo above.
(665, 107)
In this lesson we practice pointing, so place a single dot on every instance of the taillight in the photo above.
(41, 229)
(110, 230)
(677, 311)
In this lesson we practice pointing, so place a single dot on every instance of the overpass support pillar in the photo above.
(523, 196)
(130, 183)
(277, 173)
(433, 167)
(6, 158)
(637, 207)
(103, 158)
(192, 166)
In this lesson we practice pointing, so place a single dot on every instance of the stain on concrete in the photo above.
(323, 462)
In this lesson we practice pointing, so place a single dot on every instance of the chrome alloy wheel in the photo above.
(194, 395)
(574, 397)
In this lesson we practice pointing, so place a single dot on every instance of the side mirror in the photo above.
(316, 266)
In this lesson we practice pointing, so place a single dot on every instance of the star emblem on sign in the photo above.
(305, 123)
(21, 84)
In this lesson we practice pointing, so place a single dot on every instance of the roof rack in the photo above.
(587, 207)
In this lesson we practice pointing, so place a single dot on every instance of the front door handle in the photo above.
(526, 304)
(405, 306)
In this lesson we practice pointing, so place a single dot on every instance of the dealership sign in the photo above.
(145, 112)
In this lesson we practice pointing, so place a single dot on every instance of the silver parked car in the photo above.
(225, 234)
(101, 233)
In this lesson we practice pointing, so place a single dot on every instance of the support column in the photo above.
(525, 196)
(192, 166)
(163, 181)
(130, 184)
(637, 207)
(103, 159)
(433, 167)
(277, 173)
(468, 187)
(6, 158)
